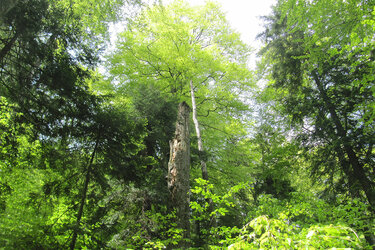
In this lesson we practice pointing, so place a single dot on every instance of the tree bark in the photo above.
(179, 172)
(201, 152)
(353, 185)
(198, 131)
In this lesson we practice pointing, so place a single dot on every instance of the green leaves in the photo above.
(202, 213)
(205, 190)
(302, 222)
(166, 47)
(23, 208)
(169, 46)
(322, 69)
(265, 233)
(331, 236)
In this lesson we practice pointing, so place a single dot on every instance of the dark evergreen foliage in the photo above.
(84, 157)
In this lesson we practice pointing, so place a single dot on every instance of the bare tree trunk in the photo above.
(201, 151)
(179, 172)
(83, 196)
(198, 131)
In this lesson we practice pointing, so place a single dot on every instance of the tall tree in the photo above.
(47, 52)
(321, 63)
(185, 50)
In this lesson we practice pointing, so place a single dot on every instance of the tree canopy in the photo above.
(90, 133)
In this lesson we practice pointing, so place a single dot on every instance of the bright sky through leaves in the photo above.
(243, 15)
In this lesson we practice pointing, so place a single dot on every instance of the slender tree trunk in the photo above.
(179, 172)
(83, 196)
(358, 170)
(198, 131)
(201, 151)
(353, 185)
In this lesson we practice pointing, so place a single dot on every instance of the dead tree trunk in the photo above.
(201, 152)
(198, 131)
(179, 172)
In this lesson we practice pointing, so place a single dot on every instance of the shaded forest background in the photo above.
(281, 155)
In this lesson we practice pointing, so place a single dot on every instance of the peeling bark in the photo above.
(179, 172)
